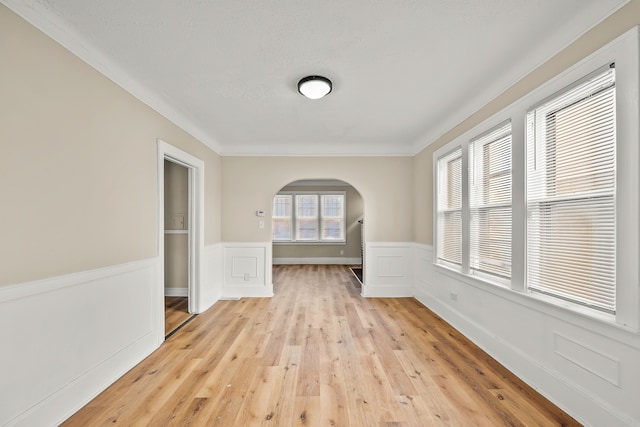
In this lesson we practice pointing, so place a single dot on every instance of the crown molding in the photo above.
(45, 20)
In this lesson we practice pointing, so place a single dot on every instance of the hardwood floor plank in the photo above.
(317, 353)
(309, 383)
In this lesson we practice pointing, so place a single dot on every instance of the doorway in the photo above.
(176, 246)
(180, 238)
(319, 221)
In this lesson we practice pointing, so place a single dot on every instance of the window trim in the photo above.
(453, 150)
(497, 134)
(319, 217)
(624, 51)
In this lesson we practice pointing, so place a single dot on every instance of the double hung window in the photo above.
(282, 218)
(571, 198)
(542, 198)
(309, 217)
(490, 202)
(487, 199)
(449, 208)
(567, 184)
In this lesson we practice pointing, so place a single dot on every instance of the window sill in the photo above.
(338, 243)
(560, 309)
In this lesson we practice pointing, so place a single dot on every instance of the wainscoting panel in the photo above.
(388, 270)
(67, 338)
(247, 270)
(589, 367)
(590, 359)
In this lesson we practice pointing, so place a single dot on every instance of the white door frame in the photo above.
(195, 169)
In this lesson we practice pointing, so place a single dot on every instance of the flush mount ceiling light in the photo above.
(314, 87)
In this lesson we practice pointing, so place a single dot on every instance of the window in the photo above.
(449, 208)
(306, 217)
(490, 202)
(332, 217)
(309, 217)
(282, 218)
(571, 204)
(542, 199)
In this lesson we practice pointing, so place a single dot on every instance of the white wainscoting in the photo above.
(247, 270)
(388, 270)
(65, 339)
(588, 367)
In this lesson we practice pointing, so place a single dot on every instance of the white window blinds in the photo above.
(307, 217)
(449, 208)
(332, 217)
(282, 219)
(571, 194)
(490, 202)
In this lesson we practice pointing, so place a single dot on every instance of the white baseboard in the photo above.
(392, 291)
(318, 260)
(176, 292)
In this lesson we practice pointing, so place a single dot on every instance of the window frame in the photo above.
(319, 218)
(552, 195)
(497, 134)
(624, 52)
(449, 156)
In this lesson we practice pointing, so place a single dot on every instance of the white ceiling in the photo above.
(404, 71)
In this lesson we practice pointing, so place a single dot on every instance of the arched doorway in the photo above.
(318, 221)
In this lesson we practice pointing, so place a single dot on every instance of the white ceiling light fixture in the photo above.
(314, 87)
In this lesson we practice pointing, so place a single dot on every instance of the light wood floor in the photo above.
(317, 354)
(176, 312)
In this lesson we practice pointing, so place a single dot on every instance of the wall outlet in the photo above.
(341, 251)
(454, 296)
(246, 277)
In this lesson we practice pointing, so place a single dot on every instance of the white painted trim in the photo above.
(28, 289)
(79, 328)
(176, 292)
(176, 232)
(317, 260)
(391, 291)
(195, 168)
(570, 314)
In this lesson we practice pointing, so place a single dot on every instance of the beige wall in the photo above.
(351, 249)
(612, 27)
(78, 177)
(385, 184)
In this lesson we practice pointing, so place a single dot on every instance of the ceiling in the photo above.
(404, 71)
